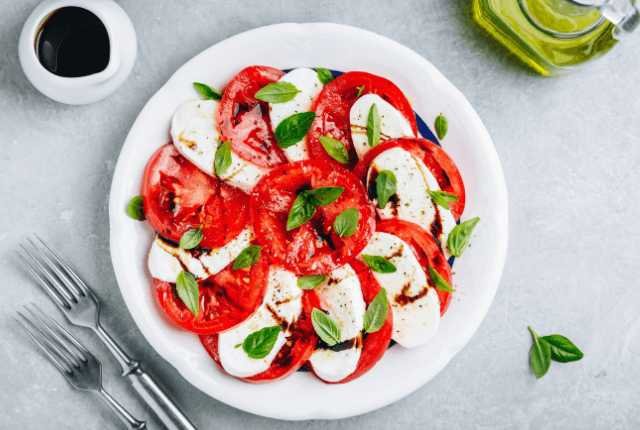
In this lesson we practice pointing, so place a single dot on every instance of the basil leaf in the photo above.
(260, 343)
(222, 159)
(376, 313)
(135, 208)
(191, 238)
(322, 196)
(346, 223)
(301, 211)
(460, 236)
(359, 91)
(187, 289)
(539, 355)
(441, 283)
(325, 327)
(293, 128)
(378, 264)
(247, 258)
(206, 92)
(335, 149)
(442, 126)
(385, 187)
(309, 282)
(443, 198)
(324, 75)
(562, 349)
(373, 126)
(277, 92)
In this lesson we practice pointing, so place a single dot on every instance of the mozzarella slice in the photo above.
(341, 297)
(392, 123)
(306, 80)
(166, 261)
(196, 137)
(412, 202)
(282, 306)
(415, 306)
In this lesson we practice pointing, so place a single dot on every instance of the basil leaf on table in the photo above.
(378, 264)
(346, 223)
(373, 126)
(443, 198)
(191, 238)
(562, 349)
(135, 208)
(309, 282)
(460, 236)
(335, 149)
(293, 128)
(222, 160)
(441, 125)
(260, 343)
(324, 75)
(539, 355)
(188, 291)
(376, 313)
(247, 258)
(206, 92)
(277, 92)
(325, 327)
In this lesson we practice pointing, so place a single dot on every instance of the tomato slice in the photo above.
(178, 196)
(374, 345)
(244, 120)
(333, 105)
(226, 299)
(425, 249)
(433, 156)
(295, 352)
(313, 247)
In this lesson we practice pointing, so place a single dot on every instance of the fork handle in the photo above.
(129, 420)
(164, 408)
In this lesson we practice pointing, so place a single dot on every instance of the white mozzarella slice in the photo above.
(413, 203)
(282, 305)
(166, 261)
(416, 315)
(306, 80)
(196, 137)
(392, 123)
(341, 297)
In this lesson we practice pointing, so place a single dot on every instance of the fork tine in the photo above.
(65, 267)
(62, 277)
(60, 336)
(58, 361)
(59, 300)
(53, 282)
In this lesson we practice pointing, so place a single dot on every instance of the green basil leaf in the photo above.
(260, 343)
(135, 208)
(191, 238)
(562, 349)
(373, 126)
(301, 211)
(442, 126)
(539, 355)
(309, 282)
(335, 149)
(443, 198)
(324, 75)
(247, 258)
(460, 236)
(207, 92)
(359, 91)
(293, 128)
(385, 187)
(322, 196)
(325, 327)
(376, 313)
(222, 159)
(277, 92)
(188, 291)
(346, 223)
(378, 264)
(441, 283)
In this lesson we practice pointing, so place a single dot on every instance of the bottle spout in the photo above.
(623, 14)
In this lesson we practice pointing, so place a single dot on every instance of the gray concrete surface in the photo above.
(571, 153)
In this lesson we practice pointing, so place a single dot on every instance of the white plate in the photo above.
(477, 273)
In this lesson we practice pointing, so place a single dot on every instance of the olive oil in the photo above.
(550, 36)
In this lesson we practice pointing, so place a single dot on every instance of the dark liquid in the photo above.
(73, 42)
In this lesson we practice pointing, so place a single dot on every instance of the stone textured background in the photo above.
(571, 152)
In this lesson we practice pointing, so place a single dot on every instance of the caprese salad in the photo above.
(301, 221)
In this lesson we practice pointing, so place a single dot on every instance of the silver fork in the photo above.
(79, 366)
(82, 308)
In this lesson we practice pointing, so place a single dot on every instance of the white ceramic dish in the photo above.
(477, 274)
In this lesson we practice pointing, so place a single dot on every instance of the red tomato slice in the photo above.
(178, 197)
(244, 121)
(292, 355)
(374, 345)
(433, 156)
(334, 103)
(226, 299)
(425, 249)
(313, 247)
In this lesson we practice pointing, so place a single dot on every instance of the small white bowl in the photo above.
(84, 89)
